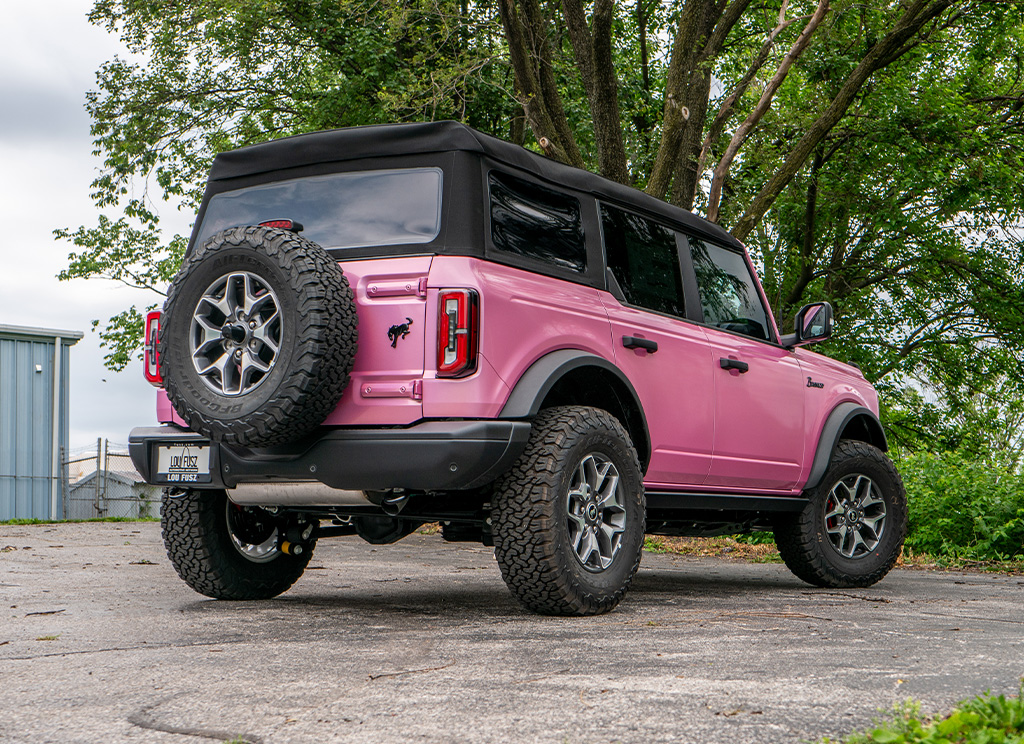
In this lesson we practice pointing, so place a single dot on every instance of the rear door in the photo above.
(387, 378)
(665, 357)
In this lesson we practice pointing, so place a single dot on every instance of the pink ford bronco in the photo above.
(380, 327)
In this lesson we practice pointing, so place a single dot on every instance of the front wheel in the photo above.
(851, 532)
(227, 551)
(568, 518)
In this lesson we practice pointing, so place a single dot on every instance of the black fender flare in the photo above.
(842, 416)
(534, 385)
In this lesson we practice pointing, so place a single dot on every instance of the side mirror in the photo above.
(813, 324)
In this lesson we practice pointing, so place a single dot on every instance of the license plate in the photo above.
(183, 463)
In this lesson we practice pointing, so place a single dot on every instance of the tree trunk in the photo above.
(593, 53)
(530, 54)
(702, 29)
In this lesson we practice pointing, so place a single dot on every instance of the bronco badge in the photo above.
(396, 332)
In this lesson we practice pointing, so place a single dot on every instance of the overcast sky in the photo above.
(47, 63)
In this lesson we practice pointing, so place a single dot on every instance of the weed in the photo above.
(993, 719)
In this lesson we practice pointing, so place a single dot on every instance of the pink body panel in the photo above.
(165, 412)
(386, 379)
(523, 316)
(843, 384)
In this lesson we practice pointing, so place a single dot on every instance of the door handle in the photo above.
(733, 364)
(632, 342)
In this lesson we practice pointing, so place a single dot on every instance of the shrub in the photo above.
(963, 508)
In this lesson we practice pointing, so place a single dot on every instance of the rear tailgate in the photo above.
(387, 379)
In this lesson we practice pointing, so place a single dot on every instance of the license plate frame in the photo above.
(182, 462)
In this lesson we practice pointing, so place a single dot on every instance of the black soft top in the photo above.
(395, 140)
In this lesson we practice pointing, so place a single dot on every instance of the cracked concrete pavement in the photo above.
(420, 641)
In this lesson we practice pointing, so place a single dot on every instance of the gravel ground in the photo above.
(420, 641)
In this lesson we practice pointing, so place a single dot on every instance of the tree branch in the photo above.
(725, 111)
(913, 19)
(763, 104)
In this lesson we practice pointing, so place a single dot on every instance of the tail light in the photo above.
(457, 332)
(151, 361)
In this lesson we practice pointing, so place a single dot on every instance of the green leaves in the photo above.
(134, 256)
(985, 719)
(963, 508)
(117, 251)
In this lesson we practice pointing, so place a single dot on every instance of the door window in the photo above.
(530, 220)
(728, 295)
(644, 259)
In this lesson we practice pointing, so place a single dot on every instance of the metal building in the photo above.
(34, 395)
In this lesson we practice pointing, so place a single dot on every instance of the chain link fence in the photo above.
(100, 481)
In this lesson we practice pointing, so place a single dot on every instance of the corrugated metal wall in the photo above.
(27, 473)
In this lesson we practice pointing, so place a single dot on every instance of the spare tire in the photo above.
(258, 337)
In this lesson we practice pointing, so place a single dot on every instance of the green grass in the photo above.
(760, 548)
(986, 719)
(19, 522)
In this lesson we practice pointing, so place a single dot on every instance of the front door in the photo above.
(759, 400)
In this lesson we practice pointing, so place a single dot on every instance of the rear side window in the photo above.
(341, 210)
(645, 261)
(533, 221)
(728, 295)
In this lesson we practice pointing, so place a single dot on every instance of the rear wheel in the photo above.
(851, 532)
(568, 518)
(227, 551)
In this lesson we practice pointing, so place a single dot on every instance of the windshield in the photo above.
(341, 210)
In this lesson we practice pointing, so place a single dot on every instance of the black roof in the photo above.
(391, 140)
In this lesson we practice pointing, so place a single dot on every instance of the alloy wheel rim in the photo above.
(252, 532)
(236, 333)
(855, 516)
(596, 512)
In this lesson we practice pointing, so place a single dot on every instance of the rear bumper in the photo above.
(430, 456)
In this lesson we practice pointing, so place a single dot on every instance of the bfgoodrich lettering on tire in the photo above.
(851, 532)
(568, 518)
(258, 337)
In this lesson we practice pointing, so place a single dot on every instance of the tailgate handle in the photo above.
(734, 364)
(632, 342)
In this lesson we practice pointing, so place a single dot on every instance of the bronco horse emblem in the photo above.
(396, 332)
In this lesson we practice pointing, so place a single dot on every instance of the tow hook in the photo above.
(295, 540)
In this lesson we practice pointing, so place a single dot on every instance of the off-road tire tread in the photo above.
(325, 342)
(524, 516)
(195, 536)
(802, 546)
